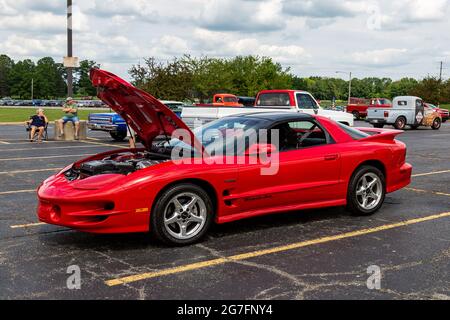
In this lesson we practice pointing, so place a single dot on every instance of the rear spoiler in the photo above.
(381, 135)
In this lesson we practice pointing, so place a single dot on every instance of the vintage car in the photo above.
(222, 100)
(405, 110)
(177, 188)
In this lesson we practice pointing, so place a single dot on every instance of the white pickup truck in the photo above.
(405, 110)
(266, 101)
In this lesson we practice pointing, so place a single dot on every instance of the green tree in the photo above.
(6, 65)
(429, 90)
(48, 79)
(83, 85)
(20, 76)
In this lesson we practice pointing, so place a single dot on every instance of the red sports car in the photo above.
(305, 162)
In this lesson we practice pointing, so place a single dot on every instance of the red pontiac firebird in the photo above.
(309, 162)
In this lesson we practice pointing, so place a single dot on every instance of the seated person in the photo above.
(37, 122)
(70, 109)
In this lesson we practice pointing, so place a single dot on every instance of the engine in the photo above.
(121, 163)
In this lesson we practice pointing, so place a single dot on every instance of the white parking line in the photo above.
(48, 157)
(429, 173)
(17, 191)
(4, 142)
(51, 148)
(29, 171)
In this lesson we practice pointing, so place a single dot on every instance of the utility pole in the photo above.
(350, 88)
(440, 83)
(69, 48)
(349, 84)
(32, 89)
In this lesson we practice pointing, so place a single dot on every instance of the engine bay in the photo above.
(120, 163)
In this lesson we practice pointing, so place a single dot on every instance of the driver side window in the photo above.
(300, 134)
(305, 101)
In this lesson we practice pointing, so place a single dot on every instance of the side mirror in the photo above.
(261, 149)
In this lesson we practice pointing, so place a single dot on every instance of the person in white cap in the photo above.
(70, 110)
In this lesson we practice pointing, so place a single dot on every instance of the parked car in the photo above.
(266, 101)
(444, 113)
(358, 107)
(222, 100)
(405, 110)
(116, 125)
(247, 101)
(321, 163)
(7, 101)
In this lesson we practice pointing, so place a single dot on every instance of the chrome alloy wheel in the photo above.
(369, 191)
(185, 215)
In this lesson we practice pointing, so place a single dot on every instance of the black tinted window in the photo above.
(352, 132)
(304, 101)
(274, 99)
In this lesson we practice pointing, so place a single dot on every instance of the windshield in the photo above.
(227, 136)
(385, 101)
(274, 100)
(230, 99)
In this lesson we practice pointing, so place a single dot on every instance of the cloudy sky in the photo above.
(314, 37)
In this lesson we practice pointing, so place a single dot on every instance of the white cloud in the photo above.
(315, 37)
(322, 8)
(224, 44)
(383, 57)
(244, 16)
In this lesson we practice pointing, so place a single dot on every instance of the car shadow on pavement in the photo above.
(136, 241)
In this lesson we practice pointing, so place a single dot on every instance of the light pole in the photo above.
(69, 48)
(349, 84)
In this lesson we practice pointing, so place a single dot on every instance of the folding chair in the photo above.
(28, 129)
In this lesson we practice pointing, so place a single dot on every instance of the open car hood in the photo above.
(146, 115)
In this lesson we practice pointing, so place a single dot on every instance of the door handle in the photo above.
(330, 157)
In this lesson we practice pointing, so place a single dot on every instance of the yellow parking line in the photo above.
(47, 157)
(429, 173)
(258, 253)
(427, 191)
(29, 171)
(19, 226)
(17, 191)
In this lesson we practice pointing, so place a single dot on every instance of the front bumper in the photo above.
(103, 127)
(94, 212)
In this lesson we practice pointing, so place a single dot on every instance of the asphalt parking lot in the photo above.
(318, 254)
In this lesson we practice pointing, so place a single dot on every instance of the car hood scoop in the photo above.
(145, 114)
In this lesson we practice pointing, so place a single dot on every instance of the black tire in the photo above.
(400, 123)
(157, 225)
(444, 120)
(356, 115)
(353, 204)
(379, 126)
(118, 136)
(436, 124)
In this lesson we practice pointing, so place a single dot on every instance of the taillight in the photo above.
(386, 114)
